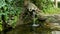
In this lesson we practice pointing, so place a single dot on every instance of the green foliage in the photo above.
(11, 11)
(20, 3)
(59, 4)
(2, 3)
(46, 6)
(51, 11)
(43, 4)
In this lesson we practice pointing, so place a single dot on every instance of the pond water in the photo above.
(27, 29)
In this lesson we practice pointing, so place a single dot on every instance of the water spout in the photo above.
(34, 24)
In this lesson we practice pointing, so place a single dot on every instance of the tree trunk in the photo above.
(25, 3)
(56, 3)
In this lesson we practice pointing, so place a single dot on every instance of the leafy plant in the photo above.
(11, 12)
(43, 4)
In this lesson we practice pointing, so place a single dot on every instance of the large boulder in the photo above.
(52, 22)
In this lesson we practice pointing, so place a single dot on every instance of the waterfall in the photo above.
(34, 24)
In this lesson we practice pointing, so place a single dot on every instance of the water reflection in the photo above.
(29, 29)
(24, 29)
